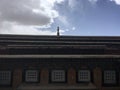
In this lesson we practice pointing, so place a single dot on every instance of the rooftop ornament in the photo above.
(58, 32)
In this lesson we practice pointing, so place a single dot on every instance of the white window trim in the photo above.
(5, 77)
(29, 77)
(82, 77)
(110, 79)
(55, 77)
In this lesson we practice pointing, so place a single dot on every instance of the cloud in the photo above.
(116, 1)
(64, 20)
(72, 3)
(93, 1)
(73, 28)
(24, 14)
(12, 28)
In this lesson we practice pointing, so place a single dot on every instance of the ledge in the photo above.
(89, 86)
(59, 56)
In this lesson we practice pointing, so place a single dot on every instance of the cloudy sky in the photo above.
(74, 17)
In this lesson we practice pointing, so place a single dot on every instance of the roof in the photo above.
(30, 44)
(61, 40)
(53, 37)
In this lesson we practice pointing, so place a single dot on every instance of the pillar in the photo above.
(97, 73)
(71, 76)
(44, 76)
(17, 78)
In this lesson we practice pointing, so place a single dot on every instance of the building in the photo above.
(59, 62)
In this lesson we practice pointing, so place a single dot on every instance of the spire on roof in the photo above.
(58, 31)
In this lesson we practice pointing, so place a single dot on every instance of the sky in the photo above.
(74, 17)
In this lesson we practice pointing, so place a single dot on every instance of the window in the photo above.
(31, 76)
(5, 77)
(58, 76)
(109, 77)
(83, 76)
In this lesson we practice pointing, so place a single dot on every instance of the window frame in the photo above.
(110, 84)
(50, 76)
(84, 81)
(11, 78)
(38, 77)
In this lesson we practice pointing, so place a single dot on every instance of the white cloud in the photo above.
(93, 1)
(22, 16)
(62, 31)
(12, 28)
(72, 3)
(116, 1)
(73, 28)
(64, 20)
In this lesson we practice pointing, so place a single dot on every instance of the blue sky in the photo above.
(101, 18)
(74, 17)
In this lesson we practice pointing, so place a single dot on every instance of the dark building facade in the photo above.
(59, 62)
